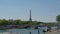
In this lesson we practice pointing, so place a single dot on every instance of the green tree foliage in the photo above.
(4, 22)
(34, 22)
(18, 22)
(58, 18)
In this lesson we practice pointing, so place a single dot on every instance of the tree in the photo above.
(58, 18)
(4, 22)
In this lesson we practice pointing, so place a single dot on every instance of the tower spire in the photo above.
(30, 15)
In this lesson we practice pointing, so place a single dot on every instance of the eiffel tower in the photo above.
(30, 19)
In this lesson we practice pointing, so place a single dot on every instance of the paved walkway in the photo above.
(53, 32)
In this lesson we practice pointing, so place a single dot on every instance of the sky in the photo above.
(42, 10)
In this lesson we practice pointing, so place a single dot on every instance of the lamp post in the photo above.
(38, 31)
(30, 32)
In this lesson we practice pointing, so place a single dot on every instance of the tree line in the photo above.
(18, 22)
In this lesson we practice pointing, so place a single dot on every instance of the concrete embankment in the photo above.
(53, 32)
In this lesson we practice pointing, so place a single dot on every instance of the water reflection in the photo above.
(25, 31)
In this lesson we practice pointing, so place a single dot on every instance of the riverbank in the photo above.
(53, 32)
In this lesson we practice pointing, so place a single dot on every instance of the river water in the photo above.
(27, 31)
(23, 31)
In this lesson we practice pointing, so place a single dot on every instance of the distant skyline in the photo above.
(42, 10)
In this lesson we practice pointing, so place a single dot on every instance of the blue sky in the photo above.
(42, 10)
